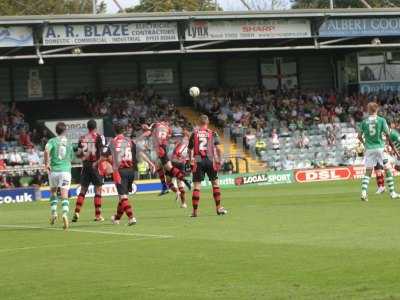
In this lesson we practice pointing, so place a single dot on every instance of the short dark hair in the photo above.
(60, 128)
(91, 124)
(119, 128)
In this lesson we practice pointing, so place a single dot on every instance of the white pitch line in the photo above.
(71, 245)
(90, 231)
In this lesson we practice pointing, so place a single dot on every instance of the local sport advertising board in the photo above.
(75, 128)
(18, 195)
(119, 33)
(267, 178)
(247, 29)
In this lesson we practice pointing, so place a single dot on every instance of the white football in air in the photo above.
(194, 91)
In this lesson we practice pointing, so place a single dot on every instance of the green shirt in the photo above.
(372, 129)
(61, 154)
(395, 138)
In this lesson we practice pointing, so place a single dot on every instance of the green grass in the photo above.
(310, 241)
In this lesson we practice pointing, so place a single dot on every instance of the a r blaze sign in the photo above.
(323, 175)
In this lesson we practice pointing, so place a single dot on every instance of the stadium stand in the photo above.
(283, 131)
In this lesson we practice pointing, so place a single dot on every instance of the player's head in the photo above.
(373, 108)
(204, 121)
(119, 128)
(61, 128)
(91, 125)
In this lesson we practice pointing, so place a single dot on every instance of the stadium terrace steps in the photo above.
(227, 146)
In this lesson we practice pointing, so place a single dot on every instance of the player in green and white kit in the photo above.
(57, 158)
(395, 138)
(371, 134)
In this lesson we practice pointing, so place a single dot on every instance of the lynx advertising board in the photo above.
(247, 29)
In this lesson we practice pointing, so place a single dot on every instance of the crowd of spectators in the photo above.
(257, 117)
(20, 149)
(261, 118)
(133, 108)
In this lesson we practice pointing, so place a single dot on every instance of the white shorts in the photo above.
(373, 157)
(60, 180)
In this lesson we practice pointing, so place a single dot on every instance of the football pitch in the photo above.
(299, 241)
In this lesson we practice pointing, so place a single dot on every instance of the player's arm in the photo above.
(143, 156)
(79, 151)
(360, 134)
(386, 132)
(191, 147)
(47, 157)
(218, 150)
(101, 147)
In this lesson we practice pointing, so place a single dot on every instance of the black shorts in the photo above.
(127, 179)
(90, 175)
(205, 166)
(180, 166)
(163, 154)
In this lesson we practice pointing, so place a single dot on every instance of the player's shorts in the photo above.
(180, 166)
(374, 157)
(205, 166)
(90, 175)
(127, 179)
(60, 180)
(163, 154)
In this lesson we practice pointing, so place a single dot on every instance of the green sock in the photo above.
(65, 207)
(365, 183)
(53, 205)
(390, 181)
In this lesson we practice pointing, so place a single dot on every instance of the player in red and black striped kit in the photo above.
(206, 157)
(180, 160)
(90, 148)
(160, 134)
(123, 153)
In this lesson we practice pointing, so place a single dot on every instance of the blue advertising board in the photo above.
(20, 195)
(109, 189)
(374, 87)
(360, 27)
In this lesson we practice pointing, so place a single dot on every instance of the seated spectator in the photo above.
(288, 163)
(3, 165)
(5, 182)
(143, 170)
(275, 140)
(15, 158)
(303, 141)
(330, 136)
(33, 157)
(260, 147)
(25, 139)
(228, 167)
(249, 139)
(39, 179)
(4, 155)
